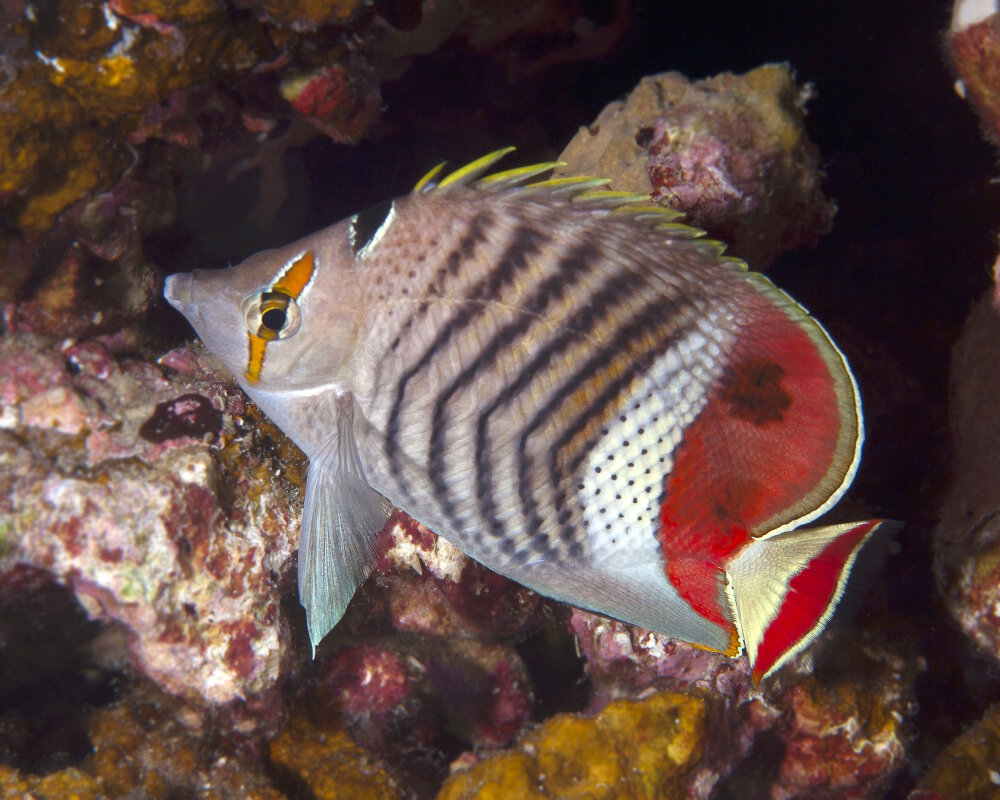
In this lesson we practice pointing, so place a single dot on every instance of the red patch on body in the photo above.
(766, 437)
(809, 595)
(701, 584)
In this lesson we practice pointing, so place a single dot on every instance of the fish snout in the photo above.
(177, 290)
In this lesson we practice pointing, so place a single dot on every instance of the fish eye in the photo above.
(271, 315)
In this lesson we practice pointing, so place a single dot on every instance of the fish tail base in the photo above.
(785, 588)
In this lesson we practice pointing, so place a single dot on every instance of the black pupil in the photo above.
(273, 319)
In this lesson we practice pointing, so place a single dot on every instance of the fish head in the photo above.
(284, 319)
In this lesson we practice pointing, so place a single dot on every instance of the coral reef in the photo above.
(147, 496)
(92, 72)
(967, 769)
(330, 765)
(847, 737)
(967, 553)
(149, 745)
(841, 736)
(730, 151)
(135, 489)
(632, 749)
(66, 783)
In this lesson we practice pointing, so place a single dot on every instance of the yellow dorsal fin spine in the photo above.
(647, 212)
(465, 175)
(586, 190)
(518, 175)
(568, 185)
(425, 183)
(610, 199)
(679, 230)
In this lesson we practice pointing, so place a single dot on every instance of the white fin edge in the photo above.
(759, 585)
(341, 520)
(764, 284)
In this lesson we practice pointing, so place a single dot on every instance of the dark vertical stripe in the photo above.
(569, 271)
(549, 289)
(612, 293)
(638, 325)
(524, 240)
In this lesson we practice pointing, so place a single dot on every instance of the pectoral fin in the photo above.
(341, 520)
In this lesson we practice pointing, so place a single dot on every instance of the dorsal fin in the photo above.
(584, 190)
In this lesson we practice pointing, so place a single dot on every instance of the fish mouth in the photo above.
(177, 290)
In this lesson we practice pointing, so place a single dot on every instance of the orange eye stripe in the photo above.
(257, 348)
(291, 282)
(296, 276)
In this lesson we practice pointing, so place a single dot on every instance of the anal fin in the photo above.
(341, 520)
(785, 588)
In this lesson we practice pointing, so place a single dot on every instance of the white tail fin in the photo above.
(784, 588)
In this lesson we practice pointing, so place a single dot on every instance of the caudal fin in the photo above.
(785, 588)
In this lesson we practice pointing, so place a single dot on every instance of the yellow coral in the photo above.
(173, 10)
(87, 162)
(966, 769)
(632, 749)
(331, 764)
(67, 784)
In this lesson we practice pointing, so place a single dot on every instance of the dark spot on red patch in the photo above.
(188, 415)
(754, 391)
(111, 556)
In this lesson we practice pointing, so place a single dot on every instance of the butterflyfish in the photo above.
(569, 384)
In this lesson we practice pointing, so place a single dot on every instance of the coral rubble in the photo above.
(968, 768)
(973, 45)
(731, 152)
(331, 765)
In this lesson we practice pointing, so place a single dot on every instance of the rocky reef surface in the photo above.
(151, 642)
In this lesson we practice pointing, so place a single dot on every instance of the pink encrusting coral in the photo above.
(116, 483)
